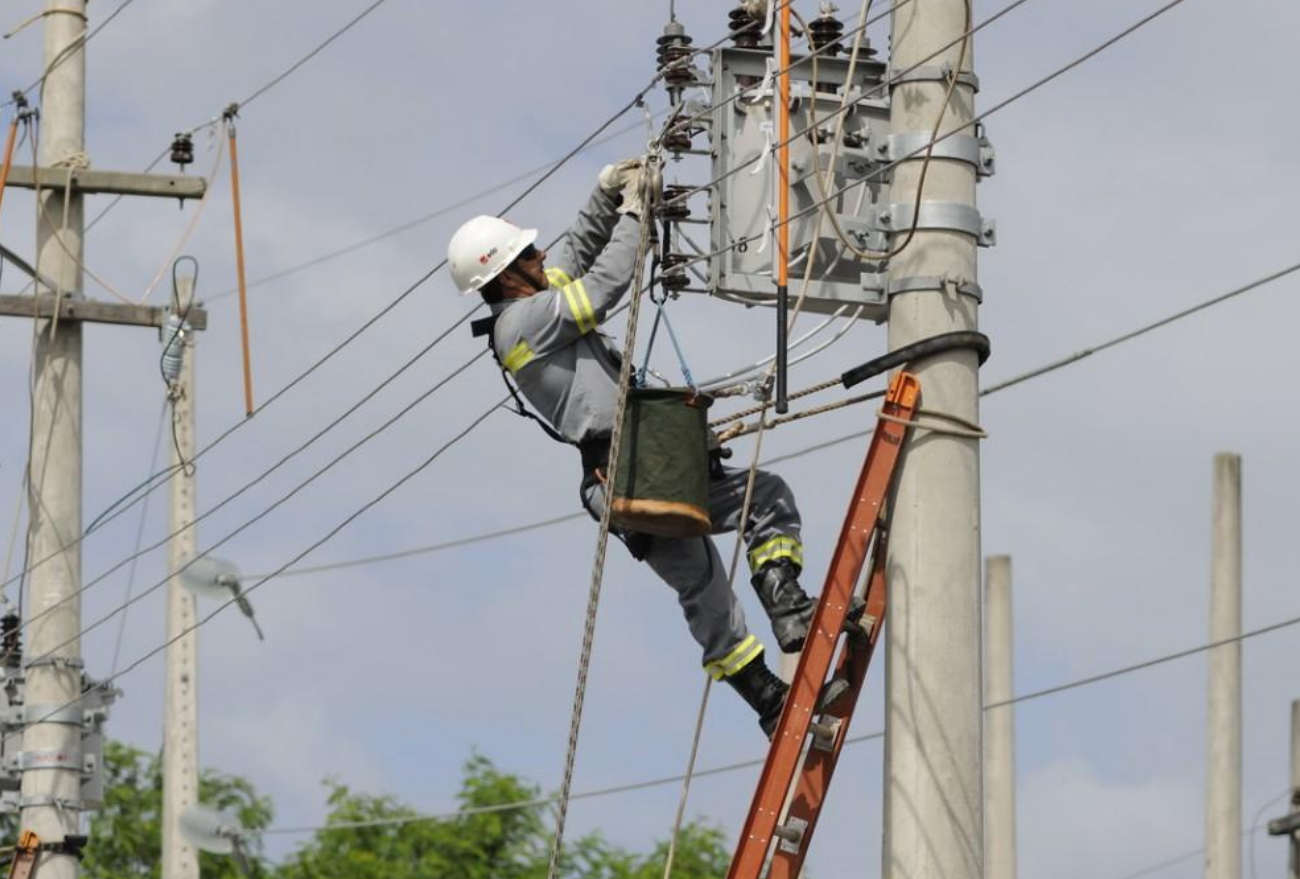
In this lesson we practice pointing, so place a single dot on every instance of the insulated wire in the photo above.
(139, 539)
(234, 600)
(818, 204)
(71, 49)
(125, 505)
(401, 413)
(411, 224)
(312, 54)
(355, 333)
(643, 785)
(369, 395)
(819, 447)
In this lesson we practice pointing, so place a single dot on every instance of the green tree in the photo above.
(126, 834)
(506, 844)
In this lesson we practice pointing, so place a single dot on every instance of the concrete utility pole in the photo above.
(999, 724)
(180, 701)
(52, 761)
(1223, 733)
(933, 790)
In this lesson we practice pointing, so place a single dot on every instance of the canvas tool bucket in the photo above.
(661, 481)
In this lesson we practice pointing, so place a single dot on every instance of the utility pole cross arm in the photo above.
(95, 312)
(87, 181)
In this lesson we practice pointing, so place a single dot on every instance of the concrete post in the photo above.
(933, 790)
(999, 724)
(1223, 761)
(51, 782)
(180, 700)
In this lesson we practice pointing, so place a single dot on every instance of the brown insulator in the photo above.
(674, 55)
(674, 272)
(11, 641)
(677, 140)
(825, 31)
(744, 28)
(675, 205)
(182, 150)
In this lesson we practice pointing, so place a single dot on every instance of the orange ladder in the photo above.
(791, 752)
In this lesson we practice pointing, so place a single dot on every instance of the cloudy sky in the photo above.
(1158, 174)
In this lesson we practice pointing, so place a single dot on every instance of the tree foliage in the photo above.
(372, 837)
(126, 834)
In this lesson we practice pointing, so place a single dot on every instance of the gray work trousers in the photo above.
(695, 570)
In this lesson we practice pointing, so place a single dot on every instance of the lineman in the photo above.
(546, 334)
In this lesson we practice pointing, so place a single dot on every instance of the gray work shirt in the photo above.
(551, 342)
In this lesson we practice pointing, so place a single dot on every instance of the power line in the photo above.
(234, 600)
(733, 767)
(819, 447)
(401, 413)
(818, 204)
(312, 54)
(411, 224)
(359, 331)
(72, 49)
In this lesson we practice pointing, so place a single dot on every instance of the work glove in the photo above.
(635, 189)
(613, 178)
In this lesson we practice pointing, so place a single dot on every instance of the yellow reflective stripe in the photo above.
(558, 277)
(740, 656)
(580, 305)
(776, 548)
(518, 357)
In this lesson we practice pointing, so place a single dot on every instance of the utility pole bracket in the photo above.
(95, 312)
(86, 181)
(948, 216)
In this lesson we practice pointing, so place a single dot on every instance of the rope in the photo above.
(602, 539)
(708, 681)
(965, 428)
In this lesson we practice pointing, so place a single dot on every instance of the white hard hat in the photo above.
(482, 248)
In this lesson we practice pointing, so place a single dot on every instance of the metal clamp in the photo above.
(966, 148)
(935, 73)
(918, 283)
(947, 215)
(51, 803)
(55, 662)
(790, 835)
(73, 761)
(26, 715)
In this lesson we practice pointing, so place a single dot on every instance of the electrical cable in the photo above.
(401, 413)
(139, 539)
(818, 204)
(715, 770)
(819, 447)
(246, 591)
(71, 49)
(187, 468)
(312, 54)
(355, 333)
(411, 224)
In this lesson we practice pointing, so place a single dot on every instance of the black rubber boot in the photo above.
(787, 605)
(764, 692)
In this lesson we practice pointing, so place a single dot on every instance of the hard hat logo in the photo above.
(482, 248)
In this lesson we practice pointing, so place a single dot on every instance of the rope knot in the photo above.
(73, 161)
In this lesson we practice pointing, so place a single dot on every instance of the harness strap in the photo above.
(483, 327)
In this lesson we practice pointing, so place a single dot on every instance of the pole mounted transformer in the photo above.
(737, 128)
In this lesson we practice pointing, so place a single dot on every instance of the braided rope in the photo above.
(602, 539)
